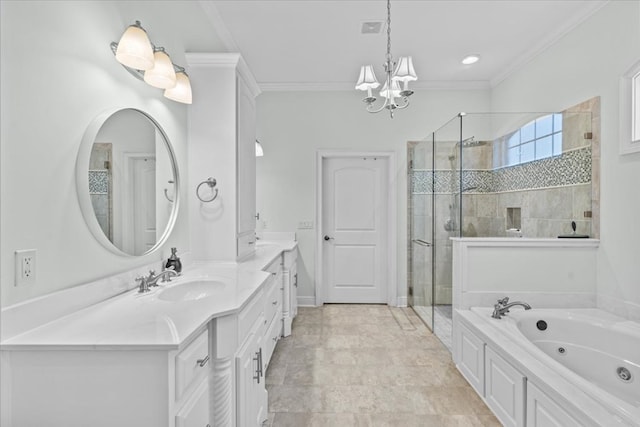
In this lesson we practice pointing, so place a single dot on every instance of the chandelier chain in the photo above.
(388, 29)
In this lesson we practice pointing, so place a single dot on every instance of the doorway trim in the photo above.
(392, 276)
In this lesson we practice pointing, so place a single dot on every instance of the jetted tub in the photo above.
(593, 350)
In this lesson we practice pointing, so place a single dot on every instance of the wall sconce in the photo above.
(152, 64)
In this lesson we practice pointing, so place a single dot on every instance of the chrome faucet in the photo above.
(152, 279)
(165, 275)
(502, 307)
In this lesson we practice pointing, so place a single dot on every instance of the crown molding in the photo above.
(231, 60)
(349, 86)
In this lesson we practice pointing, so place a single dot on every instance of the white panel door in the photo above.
(355, 215)
(144, 204)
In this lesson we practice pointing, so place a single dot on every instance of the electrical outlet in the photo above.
(25, 271)
(305, 225)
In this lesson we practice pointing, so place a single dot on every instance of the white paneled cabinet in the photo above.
(222, 134)
(544, 412)
(470, 358)
(514, 399)
(290, 290)
(195, 412)
(504, 390)
(246, 159)
(110, 387)
(251, 394)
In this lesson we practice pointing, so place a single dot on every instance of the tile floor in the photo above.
(367, 365)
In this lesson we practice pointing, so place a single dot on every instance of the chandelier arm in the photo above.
(384, 105)
(403, 106)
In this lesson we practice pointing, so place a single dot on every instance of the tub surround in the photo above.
(543, 272)
(137, 350)
(521, 384)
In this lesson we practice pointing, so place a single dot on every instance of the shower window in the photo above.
(538, 139)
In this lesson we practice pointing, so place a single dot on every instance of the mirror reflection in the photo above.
(132, 181)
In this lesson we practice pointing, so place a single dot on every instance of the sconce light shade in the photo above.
(393, 93)
(181, 92)
(134, 49)
(367, 79)
(259, 151)
(404, 71)
(162, 75)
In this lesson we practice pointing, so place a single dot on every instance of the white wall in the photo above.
(292, 126)
(588, 62)
(58, 73)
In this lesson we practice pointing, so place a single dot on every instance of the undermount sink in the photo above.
(191, 291)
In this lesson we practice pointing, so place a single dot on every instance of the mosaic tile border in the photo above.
(570, 168)
(98, 182)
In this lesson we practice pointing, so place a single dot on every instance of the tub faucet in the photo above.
(499, 309)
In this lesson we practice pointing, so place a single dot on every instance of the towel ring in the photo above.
(166, 195)
(211, 182)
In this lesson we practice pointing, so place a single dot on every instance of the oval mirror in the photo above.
(127, 182)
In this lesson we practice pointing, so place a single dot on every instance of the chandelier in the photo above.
(395, 73)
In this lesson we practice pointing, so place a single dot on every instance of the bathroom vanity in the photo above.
(192, 352)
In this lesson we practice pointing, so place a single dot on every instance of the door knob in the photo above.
(327, 238)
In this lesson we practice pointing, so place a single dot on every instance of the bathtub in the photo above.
(591, 357)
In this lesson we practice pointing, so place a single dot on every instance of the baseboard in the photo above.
(306, 301)
(401, 301)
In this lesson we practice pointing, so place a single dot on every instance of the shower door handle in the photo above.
(421, 242)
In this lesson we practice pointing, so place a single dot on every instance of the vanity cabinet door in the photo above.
(251, 394)
(246, 163)
(290, 298)
(195, 413)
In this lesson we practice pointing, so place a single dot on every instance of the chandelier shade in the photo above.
(404, 70)
(367, 79)
(395, 90)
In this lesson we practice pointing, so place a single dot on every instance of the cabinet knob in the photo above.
(275, 302)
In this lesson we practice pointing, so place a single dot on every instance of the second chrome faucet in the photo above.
(503, 305)
(152, 279)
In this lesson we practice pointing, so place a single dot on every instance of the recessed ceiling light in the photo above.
(471, 59)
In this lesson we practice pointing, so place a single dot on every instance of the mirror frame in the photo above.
(82, 182)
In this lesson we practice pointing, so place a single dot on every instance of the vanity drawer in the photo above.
(274, 333)
(249, 315)
(192, 363)
(273, 300)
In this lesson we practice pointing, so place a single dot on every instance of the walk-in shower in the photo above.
(495, 175)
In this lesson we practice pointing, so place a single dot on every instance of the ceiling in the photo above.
(318, 45)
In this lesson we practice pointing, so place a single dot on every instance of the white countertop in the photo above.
(144, 321)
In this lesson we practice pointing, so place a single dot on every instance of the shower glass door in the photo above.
(420, 230)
